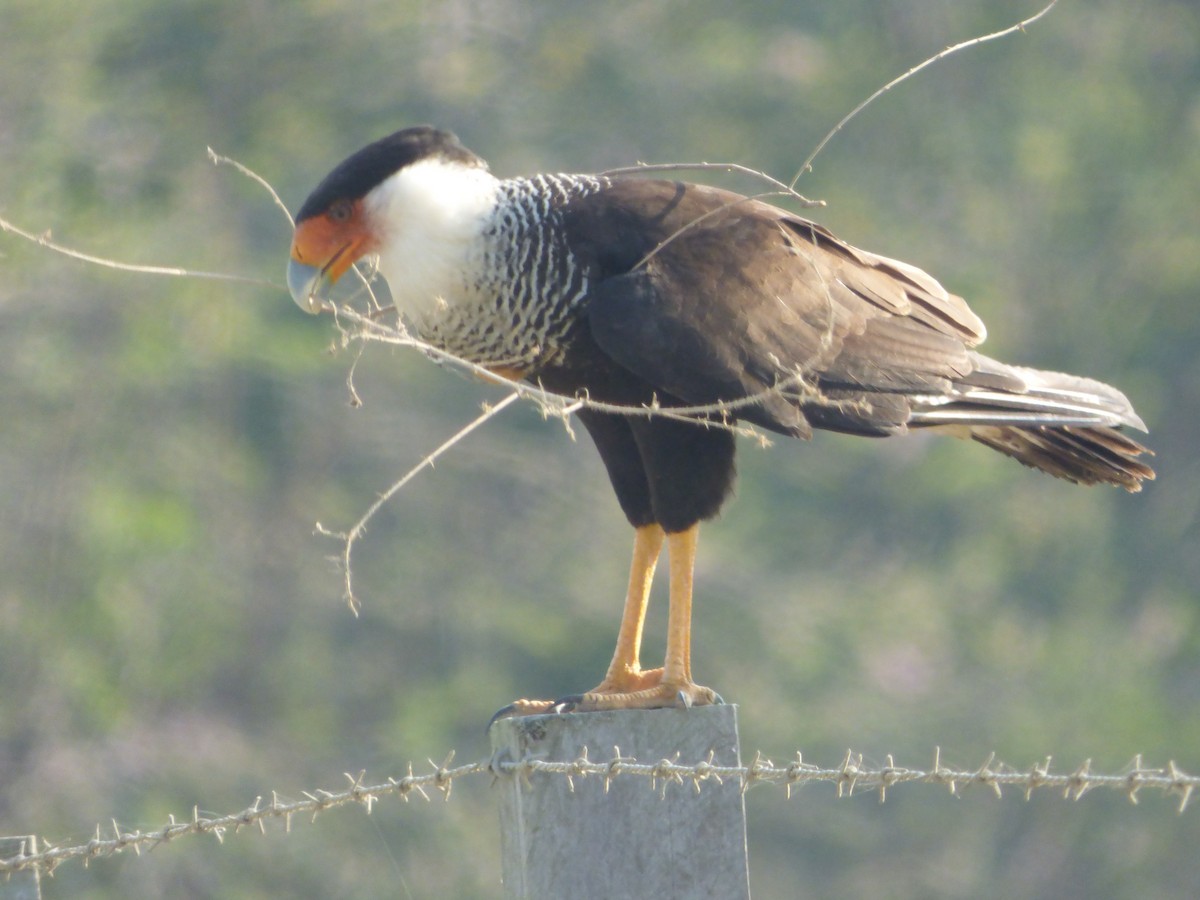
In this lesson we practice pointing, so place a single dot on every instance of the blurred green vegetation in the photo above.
(172, 633)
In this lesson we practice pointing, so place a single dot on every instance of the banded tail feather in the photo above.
(1061, 424)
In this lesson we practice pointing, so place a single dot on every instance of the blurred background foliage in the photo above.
(172, 634)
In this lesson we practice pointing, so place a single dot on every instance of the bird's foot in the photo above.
(629, 690)
(683, 694)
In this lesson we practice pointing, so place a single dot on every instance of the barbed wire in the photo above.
(852, 776)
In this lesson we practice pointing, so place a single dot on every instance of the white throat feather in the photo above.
(429, 217)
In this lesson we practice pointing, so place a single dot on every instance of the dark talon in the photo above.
(502, 713)
(566, 704)
(684, 700)
(718, 700)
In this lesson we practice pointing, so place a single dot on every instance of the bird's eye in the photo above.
(340, 211)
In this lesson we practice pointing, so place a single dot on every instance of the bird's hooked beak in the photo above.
(324, 247)
(307, 283)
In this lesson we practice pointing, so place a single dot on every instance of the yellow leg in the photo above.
(625, 668)
(677, 666)
(627, 685)
(671, 685)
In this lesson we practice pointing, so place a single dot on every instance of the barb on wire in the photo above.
(113, 840)
(849, 777)
(854, 776)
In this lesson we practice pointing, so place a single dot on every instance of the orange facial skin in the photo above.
(334, 240)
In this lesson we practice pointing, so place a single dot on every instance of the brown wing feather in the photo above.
(709, 296)
(791, 305)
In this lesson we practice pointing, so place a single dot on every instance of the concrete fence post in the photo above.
(26, 885)
(590, 841)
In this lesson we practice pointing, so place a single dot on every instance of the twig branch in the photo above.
(782, 189)
(552, 405)
(359, 528)
(955, 48)
(218, 160)
(44, 240)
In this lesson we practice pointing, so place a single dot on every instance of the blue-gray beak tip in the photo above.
(305, 283)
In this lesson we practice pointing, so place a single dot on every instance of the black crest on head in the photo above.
(356, 175)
